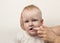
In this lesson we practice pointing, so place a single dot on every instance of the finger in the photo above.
(43, 28)
(37, 28)
(42, 36)
(45, 39)
(41, 32)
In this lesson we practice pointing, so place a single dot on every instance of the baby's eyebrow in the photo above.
(34, 18)
(25, 19)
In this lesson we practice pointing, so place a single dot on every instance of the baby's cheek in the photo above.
(25, 25)
(37, 24)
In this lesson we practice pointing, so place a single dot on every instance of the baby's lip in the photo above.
(31, 29)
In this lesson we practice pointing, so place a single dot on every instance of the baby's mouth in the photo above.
(31, 28)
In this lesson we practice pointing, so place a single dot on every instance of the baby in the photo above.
(31, 18)
(32, 24)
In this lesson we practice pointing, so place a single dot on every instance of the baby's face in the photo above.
(31, 20)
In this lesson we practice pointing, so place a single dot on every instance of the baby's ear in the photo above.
(21, 24)
(42, 21)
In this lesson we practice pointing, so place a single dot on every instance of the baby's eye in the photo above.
(34, 20)
(26, 21)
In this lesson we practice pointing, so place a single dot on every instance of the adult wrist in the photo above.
(57, 39)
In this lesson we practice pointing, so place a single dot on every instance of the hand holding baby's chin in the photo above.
(45, 33)
(42, 32)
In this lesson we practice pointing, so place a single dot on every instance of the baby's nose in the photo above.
(30, 24)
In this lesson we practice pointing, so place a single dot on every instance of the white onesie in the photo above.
(23, 37)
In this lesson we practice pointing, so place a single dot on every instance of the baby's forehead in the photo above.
(31, 12)
(31, 15)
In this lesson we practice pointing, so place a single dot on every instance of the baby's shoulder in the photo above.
(20, 35)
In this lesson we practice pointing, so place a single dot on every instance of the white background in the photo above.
(10, 13)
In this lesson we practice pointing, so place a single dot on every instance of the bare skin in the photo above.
(32, 23)
(57, 40)
(56, 29)
(50, 34)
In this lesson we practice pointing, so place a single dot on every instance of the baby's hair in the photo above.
(29, 7)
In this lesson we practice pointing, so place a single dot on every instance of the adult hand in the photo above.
(46, 33)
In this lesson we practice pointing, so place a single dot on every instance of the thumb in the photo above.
(43, 27)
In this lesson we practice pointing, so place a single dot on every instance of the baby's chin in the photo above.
(32, 33)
